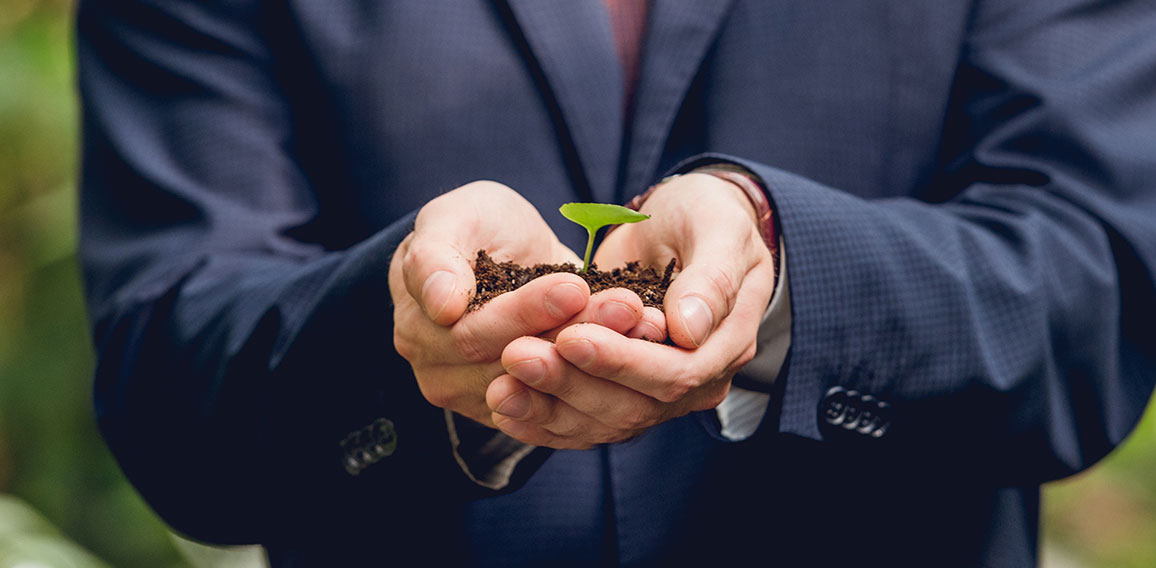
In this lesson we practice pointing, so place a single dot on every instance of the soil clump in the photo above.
(494, 278)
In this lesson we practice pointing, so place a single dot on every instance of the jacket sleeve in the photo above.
(1002, 323)
(238, 344)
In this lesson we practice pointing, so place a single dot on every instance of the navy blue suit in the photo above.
(966, 193)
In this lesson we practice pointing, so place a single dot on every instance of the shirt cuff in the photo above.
(742, 410)
(488, 457)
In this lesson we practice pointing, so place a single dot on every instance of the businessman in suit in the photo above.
(279, 199)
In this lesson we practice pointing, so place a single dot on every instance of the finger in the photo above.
(439, 277)
(450, 229)
(536, 364)
(709, 225)
(670, 373)
(542, 304)
(460, 388)
(414, 335)
(704, 292)
(509, 398)
(667, 373)
(648, 368)
(618, 309)
(652, 326)
(535, 435)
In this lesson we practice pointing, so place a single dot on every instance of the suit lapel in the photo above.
(572, 47)
(679, 34)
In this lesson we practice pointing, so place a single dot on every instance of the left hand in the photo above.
(712, 309)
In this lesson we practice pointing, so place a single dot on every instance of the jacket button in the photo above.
(853, 415)
(384, 438)
(835, 406)
(352, 464)
(365, 455)
(882, 422)
(851, 411)
(364, 447)
(868, 416)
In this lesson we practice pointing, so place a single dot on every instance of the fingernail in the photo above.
(529, 371)
(617, 315)
(696, 318)
(436, 292)
(647, 330)
(580, 352)
(564, 300)
(515, 406)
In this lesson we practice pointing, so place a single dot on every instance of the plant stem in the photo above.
(589, 248)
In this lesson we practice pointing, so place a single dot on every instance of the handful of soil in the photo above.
(494, 278)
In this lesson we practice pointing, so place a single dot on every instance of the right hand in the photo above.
(456, 355)
(629, 386)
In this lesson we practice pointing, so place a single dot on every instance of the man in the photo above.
(963, 196)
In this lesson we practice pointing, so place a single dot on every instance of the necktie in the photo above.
(628, 22)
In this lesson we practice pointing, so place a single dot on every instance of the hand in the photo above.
(455, 355)
(713, 309)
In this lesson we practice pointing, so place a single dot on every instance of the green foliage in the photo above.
(1106, 517)
(594, 216)
(28, 539)
(61, 493)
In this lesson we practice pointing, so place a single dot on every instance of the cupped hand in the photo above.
(712, 312)
(455, 355)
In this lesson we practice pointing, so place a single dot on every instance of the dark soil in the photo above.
(496, 278)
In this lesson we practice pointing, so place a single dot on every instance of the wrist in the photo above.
(747, 182)
(755, 192)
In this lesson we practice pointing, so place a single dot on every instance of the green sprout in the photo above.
(594, 216)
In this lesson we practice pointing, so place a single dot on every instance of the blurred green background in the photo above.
(61, 494)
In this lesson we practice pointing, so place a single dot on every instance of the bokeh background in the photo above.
(63, 502)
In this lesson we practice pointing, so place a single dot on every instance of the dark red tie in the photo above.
(628, 21)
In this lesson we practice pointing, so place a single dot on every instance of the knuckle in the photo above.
(680, 385)
(488, 186)
(554, 384)
(413, 255)
(746, 356)
(542, 413)
(636, 418)
(713, 398)
(538, 439)
(437, 395)
(722, 282)
(530, 321)
(404, 346)
(609, 367)
(571, 430)
(674, 391)
(543, 437)
(467, 345)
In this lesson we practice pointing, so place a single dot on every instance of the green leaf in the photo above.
(594, 216)
(597, 215)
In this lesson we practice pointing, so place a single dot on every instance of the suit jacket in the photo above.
(966, 191)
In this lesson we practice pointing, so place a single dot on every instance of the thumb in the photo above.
(703, 294)
(436, 266)
(439, 278)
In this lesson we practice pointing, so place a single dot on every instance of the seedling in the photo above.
(594, 216)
